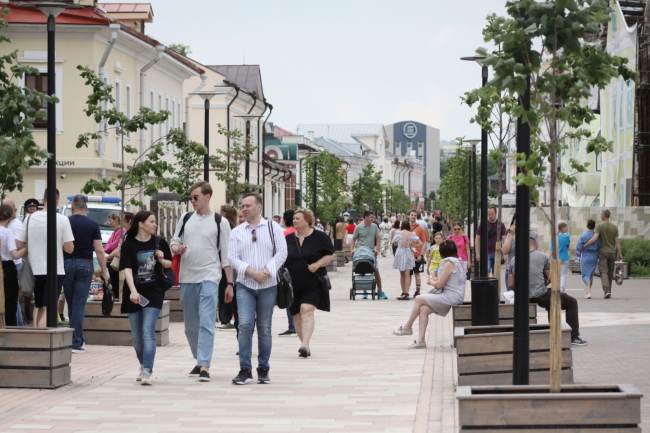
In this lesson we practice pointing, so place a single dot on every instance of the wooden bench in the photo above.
(462, 314)
(116, 330)
(35, 357)
(484, 354)
(173, 295)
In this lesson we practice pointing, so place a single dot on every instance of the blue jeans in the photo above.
(255, 306)
(491, 262)
(143, 333)
(199, 302)
(76, 285)
(507, 273)
(292, 328)
(19, 311)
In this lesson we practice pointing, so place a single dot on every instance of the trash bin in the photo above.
(485, 301)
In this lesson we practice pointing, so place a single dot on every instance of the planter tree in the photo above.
(18, 108)
(368, 191)
(494, 114)
(454, 188)
(330, 185)
(147, 172)
(546, 41)
(230, 164)
(398, 200)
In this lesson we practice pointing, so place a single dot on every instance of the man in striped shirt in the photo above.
(252, 254)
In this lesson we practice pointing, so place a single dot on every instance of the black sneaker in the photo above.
(287, 333)
(417, 293)
(195, 371)
(263, 376)
(608, 295)
(578, 342)
(204, 376)
(245, 376)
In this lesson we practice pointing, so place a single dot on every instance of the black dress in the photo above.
(306, 285)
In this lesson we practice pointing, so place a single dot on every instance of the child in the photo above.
(434, 257)
(96, 283)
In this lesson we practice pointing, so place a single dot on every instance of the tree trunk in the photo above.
(556, 333)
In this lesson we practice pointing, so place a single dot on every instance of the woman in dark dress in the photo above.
(141, 257)
(309, 252)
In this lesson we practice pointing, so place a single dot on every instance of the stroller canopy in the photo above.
(363, 253)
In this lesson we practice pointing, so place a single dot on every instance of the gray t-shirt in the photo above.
(511, 254)
(539, 263)
(366, 236)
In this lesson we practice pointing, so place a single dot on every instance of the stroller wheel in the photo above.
(374, 293)
(352, 294)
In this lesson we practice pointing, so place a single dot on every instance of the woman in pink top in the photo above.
(112, 250)
(462, 244)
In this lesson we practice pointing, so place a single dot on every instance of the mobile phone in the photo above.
(143, 301)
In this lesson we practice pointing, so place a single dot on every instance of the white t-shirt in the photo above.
(8, 243)
(37, 241)
(15, 225)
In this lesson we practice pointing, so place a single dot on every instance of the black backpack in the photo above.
(108, 301)
(217, 219)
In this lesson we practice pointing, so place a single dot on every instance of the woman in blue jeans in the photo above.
(142, 255)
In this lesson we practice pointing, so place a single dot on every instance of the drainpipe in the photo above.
(228, 120)
(187, 105)
(264, 140)
(258, 133)
(160, 49)
(102, 124)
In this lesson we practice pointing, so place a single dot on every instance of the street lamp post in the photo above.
(206, 96)
(51, 10)
(472, 186)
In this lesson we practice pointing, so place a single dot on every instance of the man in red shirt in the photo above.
(419, 258)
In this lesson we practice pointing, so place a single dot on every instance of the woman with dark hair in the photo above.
(230, 213)
(112, 248)
(449, 290)
(227, 310)
(404, 260)
(588, 256)
(462, 245)
(309, 251)
(350, 229)
(10, 273)
(142, 257)
(394, 230)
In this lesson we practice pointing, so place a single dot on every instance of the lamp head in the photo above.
(206, 95)
(472, 142)
(50, 8)
(477, 59)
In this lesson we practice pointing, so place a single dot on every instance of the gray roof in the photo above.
(342, 133)
(341, 149)
(245, 76)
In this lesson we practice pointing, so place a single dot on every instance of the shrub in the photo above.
(636, 252)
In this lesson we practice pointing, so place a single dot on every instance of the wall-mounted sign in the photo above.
(410, 130)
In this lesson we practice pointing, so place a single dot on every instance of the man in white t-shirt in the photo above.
(34, 235)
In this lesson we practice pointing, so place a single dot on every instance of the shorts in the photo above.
(40, 289)
(419, 267)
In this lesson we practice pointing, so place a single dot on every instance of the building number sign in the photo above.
(410, 130)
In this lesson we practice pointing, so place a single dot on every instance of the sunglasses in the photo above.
(195, 197)
(456, 230)
(254, 236)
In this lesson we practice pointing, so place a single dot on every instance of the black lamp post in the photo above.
(51, 11)
(472, 186)
(206, 96)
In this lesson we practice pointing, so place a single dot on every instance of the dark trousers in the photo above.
(225, 310)
(567, 303)
(115, 280)
(11, 292)
(607, 267)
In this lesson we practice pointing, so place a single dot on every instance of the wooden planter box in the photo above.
(35, 357)
(462, 314)
(577, 409)
(484, 355)
(332, 266)
(173, 295)
(116, 330)
(340, 258)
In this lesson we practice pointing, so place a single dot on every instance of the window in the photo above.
(420, 144)
(38, 83)
(397, 144)
(151, 102)
(409, 145)
(420, 158)
(118, 106)
(599, 161)
(160, 107)
(178, 114)
(173, 122)
(167, 122)
(128, 105)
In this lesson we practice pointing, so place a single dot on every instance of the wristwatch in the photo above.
(229, 283)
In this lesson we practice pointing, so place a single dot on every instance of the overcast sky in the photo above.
(342, 61)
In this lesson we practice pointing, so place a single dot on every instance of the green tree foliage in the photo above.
(548, 44)
(453, 191)
(18, 109)
(330, 185)
(182, 49)
(230, 164)
(368, 191)
(398, 199)
(189, 164)
(146, 173)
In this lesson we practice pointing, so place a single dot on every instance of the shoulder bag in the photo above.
(285, 288)
(166, 275)
(324, 281)
(26, 278)
(115, 263)
(108, 301)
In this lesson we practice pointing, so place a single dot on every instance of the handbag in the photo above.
(285, 288)
(26, 280)
(108, 301)
(115, 263)
(167, 276)
(324, 280)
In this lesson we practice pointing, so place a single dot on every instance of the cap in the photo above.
(426, 218)
(31, 202)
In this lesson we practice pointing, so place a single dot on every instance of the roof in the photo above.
(88, 16)
(280, 132)
(340, 149)
(247, 77)
(342, 133)
(125, 7)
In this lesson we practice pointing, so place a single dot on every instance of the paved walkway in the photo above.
(360, 378)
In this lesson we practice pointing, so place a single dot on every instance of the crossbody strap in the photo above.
(300, 252)
(27, 236)
(271, 233)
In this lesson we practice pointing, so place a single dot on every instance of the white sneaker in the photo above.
(402, 331)
(588, 295)
(417, 345)
(146, 378)
(140, 374)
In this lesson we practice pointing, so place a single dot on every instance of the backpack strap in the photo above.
(185, 219)
(217, 219)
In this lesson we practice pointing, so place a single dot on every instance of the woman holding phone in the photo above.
(143, 253)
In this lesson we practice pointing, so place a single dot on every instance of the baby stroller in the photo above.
(363, 273)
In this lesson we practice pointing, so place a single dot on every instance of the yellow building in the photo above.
(142, 72)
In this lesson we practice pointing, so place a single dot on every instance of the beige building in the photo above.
(142, 72)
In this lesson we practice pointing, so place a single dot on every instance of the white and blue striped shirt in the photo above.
(243, 252)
